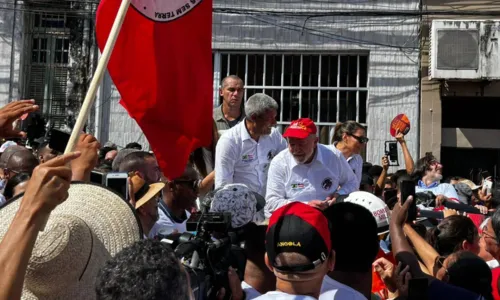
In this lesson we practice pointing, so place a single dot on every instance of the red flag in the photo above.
(162, 66)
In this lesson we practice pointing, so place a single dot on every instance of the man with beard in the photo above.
(231, 110)
(307, 172)
(429, 173)
(244, 152)
(179, 196)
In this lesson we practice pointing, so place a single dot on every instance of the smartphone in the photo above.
(58, 140)
(487, 186)
(407, 188)
(391, 151)
(417, 289)
(118, 183)
(97, 177)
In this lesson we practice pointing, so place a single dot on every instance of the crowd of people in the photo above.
(315, 221)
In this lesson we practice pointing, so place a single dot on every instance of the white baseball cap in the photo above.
(6, 145)
(375, 205)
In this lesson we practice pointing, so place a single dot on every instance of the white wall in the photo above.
(393, 73)
(9, 65)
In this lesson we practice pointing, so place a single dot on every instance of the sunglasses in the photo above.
(361, 139)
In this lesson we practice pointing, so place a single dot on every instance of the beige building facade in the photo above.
(459, 122)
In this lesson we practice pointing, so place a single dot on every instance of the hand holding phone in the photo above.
(391, 151)
(487, 186)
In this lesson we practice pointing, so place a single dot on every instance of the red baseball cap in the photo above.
(300, 129)
(298, 228)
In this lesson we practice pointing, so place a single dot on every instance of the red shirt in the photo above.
(378, 286)
(494, 283)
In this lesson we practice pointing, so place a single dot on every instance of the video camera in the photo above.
(209, 252)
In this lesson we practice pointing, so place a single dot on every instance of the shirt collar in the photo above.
(317, 157)
(421, 184)
(245, 135)
(218, 115)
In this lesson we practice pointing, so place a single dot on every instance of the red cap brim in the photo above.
(296, 133)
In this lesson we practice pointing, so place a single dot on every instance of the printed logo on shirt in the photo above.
(297, 186)
(247, 158)
(327, 184)
(270, 155)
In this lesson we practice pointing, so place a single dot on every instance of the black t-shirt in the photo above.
(233, 122)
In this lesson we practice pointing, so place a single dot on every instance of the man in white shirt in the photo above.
(179, 195)
(244, 152)
(307, 172)
(298, 251)
(430, 172)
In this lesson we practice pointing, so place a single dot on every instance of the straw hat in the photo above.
(82, 233)
(471, 184)
(144, 192)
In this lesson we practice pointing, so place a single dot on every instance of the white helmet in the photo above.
(375, 205)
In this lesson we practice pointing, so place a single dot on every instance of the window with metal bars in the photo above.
(47, 68)
(327, 88)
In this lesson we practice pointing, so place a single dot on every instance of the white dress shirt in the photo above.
(277, 295)
(249, 291)
(240, 159)
(334, 290)
(355, 161)
(289, 181)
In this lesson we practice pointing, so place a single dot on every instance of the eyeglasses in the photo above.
(190, 183)
(487, 235)
(361, 139)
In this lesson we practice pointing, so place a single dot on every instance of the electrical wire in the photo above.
(336, 37)
(359, 13)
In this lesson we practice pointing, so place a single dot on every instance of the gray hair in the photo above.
(259, 104)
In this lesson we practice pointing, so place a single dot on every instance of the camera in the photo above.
(208, 253)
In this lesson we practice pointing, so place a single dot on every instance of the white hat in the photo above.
(82, 233)
(238, 200)
(6, 145)
(375, 205)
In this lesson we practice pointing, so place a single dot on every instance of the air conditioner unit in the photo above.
(463, 49)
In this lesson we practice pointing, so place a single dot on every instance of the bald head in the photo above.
(22, 162)
(111, 155)
(7, 154)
